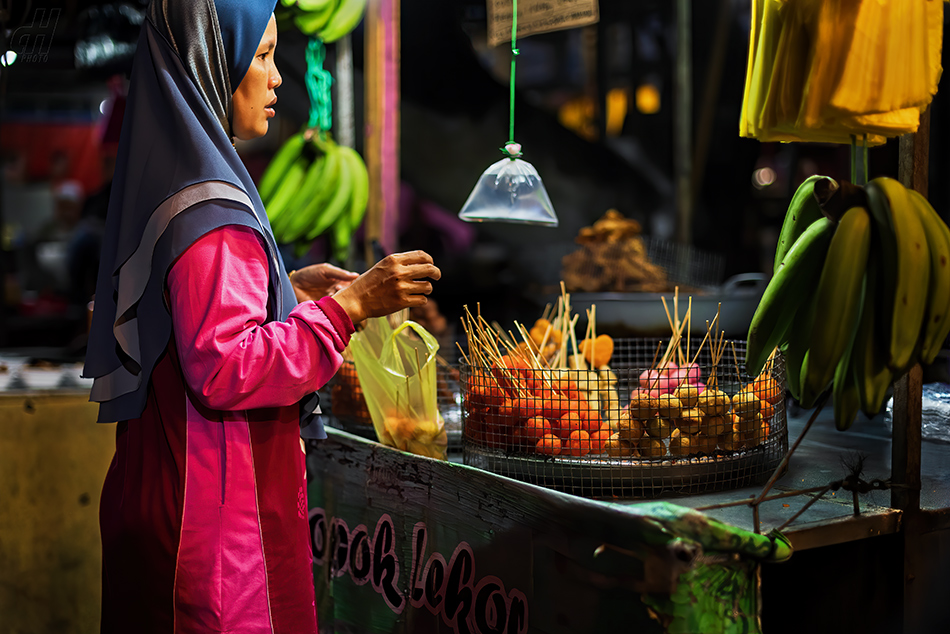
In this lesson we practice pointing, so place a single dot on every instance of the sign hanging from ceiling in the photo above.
(538, 16)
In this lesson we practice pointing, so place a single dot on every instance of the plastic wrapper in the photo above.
(398, 376)
(934, 412)
(510, 191)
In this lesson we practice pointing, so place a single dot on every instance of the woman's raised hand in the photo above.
(319, 280)
(397, 281)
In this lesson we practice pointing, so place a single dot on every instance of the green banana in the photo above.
(275, 170)
(801, 213)
(299, 225)
(906, 268)
(339, 201)
(792, 382)
(838, 300)
(346, 17)
(348, 222)
(287, 188)
(310, 22)
(786, 292)
(869, 351)
(937, 318)
(315, 5)
(341, 235)
(844, 391)
(309, 187)
(796, 347)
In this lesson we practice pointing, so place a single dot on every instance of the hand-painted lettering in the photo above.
(452, 591)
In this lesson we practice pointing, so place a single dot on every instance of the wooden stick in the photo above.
(464, 358)
(589, 337)
(667, 310)
(689, 325)
(574, 336)
(735, 359)
(701, 344)
(546, 313)
(652, 367)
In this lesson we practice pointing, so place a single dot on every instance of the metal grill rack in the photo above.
(342, 401)
(685, 265)
(528, 424)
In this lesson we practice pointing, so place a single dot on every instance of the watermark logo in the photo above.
(31, 42)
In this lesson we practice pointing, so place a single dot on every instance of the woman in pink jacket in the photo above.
(204, 350)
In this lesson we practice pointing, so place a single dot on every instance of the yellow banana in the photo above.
(838, 299)
(869, 351)
(937, 317)
(906, 268)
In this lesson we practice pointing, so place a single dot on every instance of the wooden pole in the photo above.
(905, 449)
(908, 396)
(707, 114)
(381, 145)
(345, 125)
(682, 122)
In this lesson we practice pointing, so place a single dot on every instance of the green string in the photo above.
(514, 54)
(865, 159)
(318, 82)
(854, 158)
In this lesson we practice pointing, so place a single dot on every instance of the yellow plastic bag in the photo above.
(398, 376)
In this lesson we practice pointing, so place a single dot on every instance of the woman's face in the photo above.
(254, 98)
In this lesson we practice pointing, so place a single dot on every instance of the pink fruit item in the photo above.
(665, 384)
(693, 372)
(678, 376)
(647, 378)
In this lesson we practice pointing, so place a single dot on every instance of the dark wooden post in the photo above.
(908, 395)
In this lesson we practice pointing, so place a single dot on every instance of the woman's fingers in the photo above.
(398, 281)
(416, 287)
(420, 271)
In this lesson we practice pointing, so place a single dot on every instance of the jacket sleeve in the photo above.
(231, 356)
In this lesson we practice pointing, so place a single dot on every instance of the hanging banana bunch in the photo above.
(328, 20)
(313, 186)
(856, 301)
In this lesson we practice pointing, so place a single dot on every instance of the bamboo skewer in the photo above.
(735, 359)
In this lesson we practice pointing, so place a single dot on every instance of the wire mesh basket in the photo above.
(628, 431)
(343, 402)
(638, 264)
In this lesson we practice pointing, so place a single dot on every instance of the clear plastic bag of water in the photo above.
(935, 412)
(510, 191)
